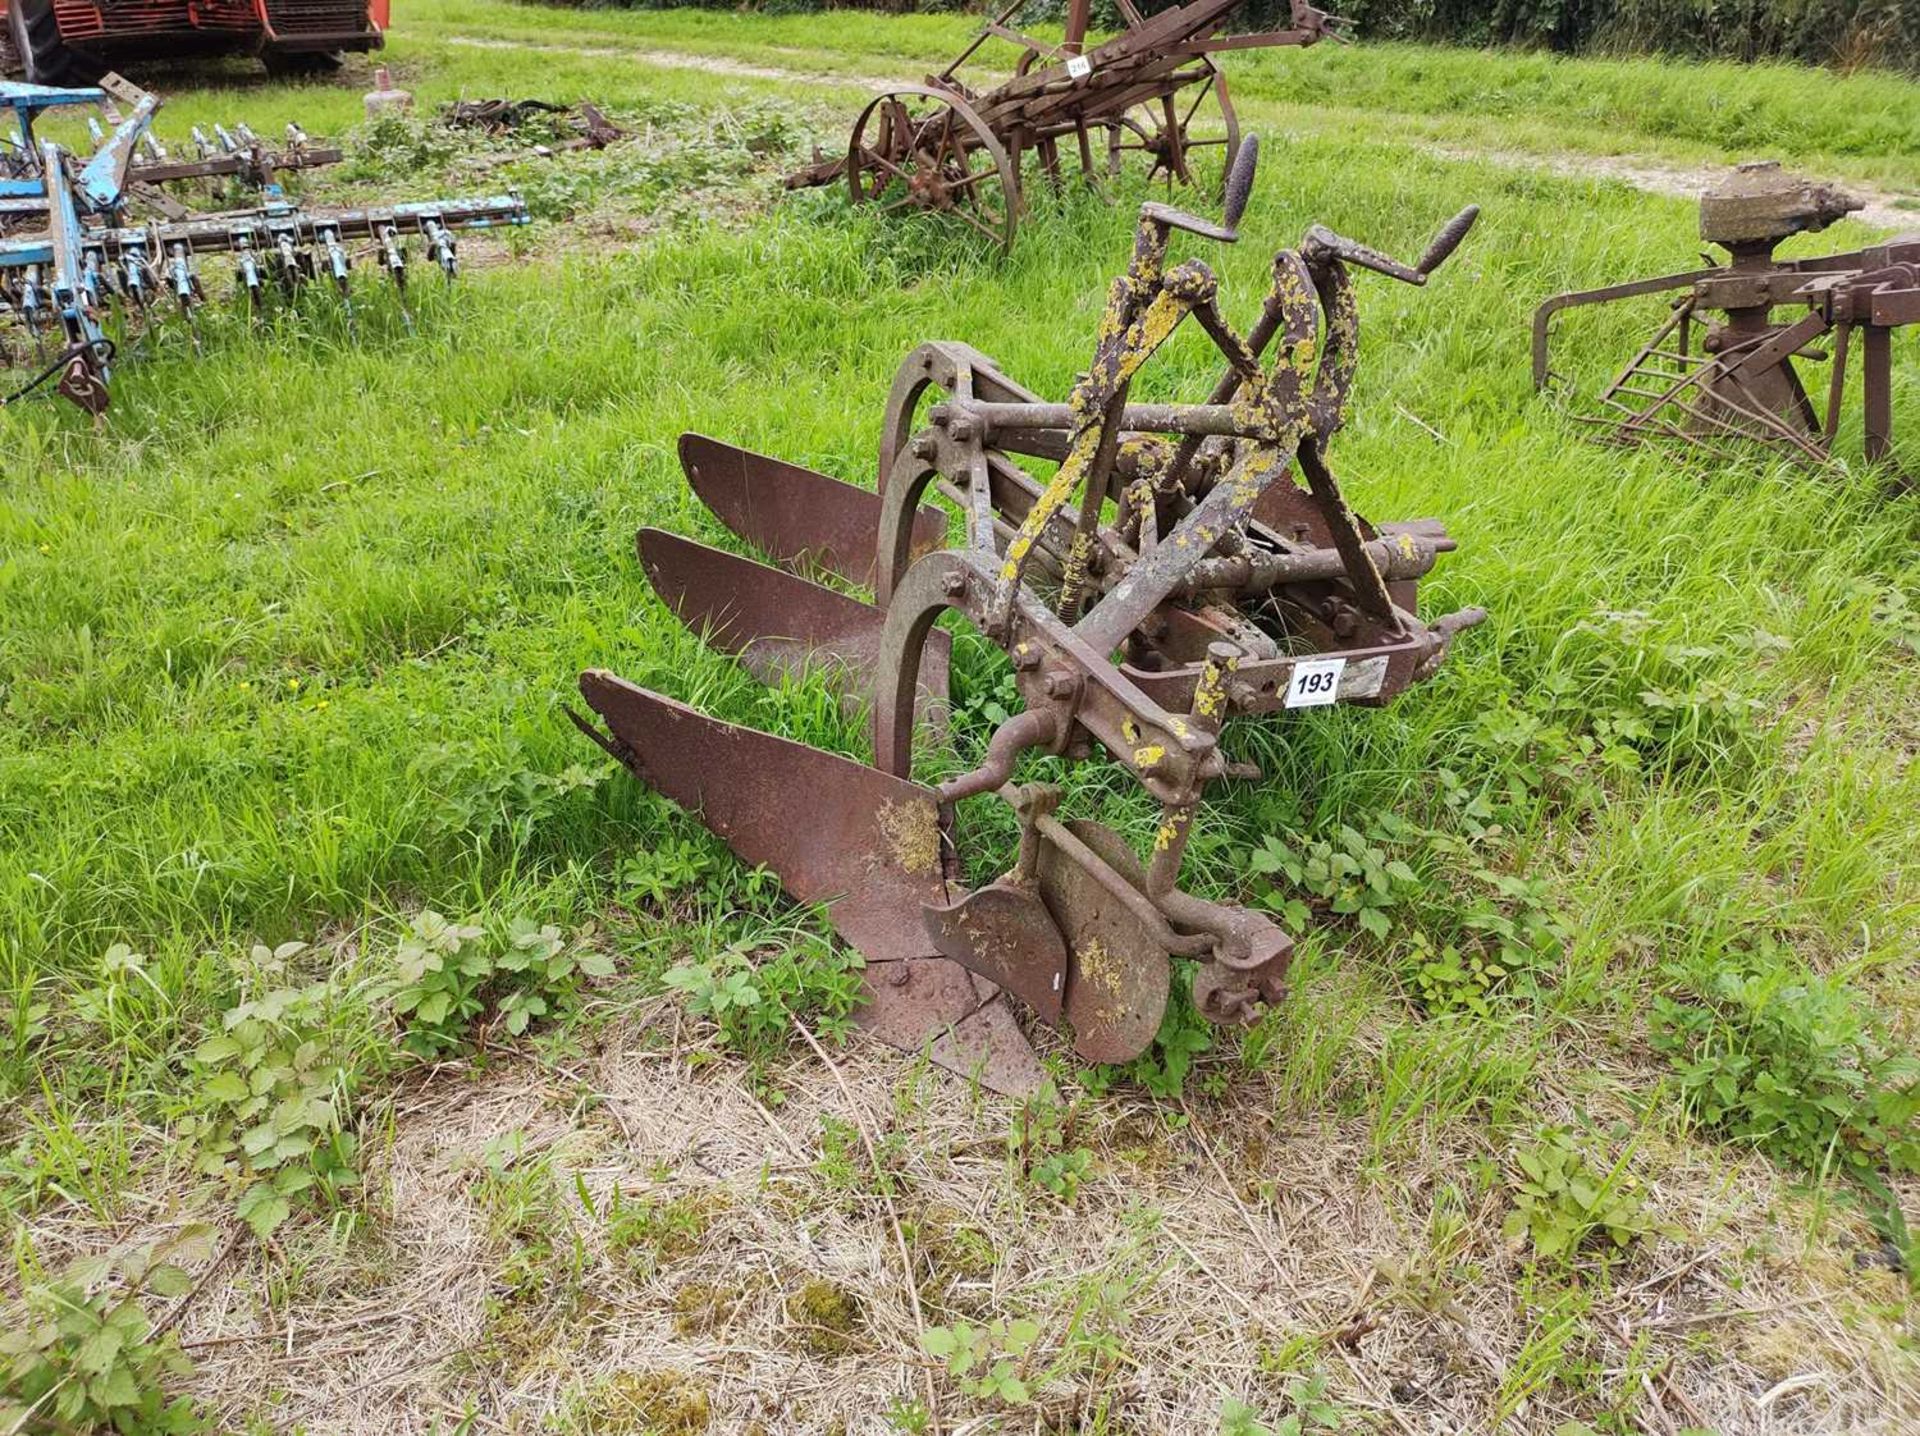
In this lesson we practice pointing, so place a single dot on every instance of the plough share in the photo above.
(1171, 573)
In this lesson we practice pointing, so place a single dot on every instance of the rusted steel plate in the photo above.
(990, 1046)
(1004, 933)
(778, 624)
(930, 1005)
(794, 515)
(837, 832)
(909, 1003)
(863, 842)
(1119, 977)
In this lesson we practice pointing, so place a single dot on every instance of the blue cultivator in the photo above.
(84, 236)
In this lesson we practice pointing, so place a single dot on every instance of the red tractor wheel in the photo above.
(43, 56)
(301, 64)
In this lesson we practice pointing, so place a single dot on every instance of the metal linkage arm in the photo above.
(1579, 299)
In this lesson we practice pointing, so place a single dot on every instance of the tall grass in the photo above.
(1864, 123)
(285, 643)
(283, 637)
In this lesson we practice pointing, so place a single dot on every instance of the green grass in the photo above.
(285, 643)
(1864, 125)
(285, 631)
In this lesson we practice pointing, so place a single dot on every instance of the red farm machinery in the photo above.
(59, 42)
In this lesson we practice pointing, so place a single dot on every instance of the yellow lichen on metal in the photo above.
(1149, 332)
(1149, 756)
(1173, 828)
(1073, 574)
(1094, 968)
(1210, 700)
(911, 831)
(1135, 343)
(1051, 501)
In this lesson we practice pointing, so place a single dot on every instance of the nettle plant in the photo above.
(1312, 1411)
(1797, 1067)
(450, 974)
(79, 1353)
(1353, 874)
(1471, 931)
(1043, 1150)
(1565, 1202)
(268, 1098)
(985, 1362)
(679, 877)
(753, 989)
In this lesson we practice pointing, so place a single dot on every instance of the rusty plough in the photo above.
(1171, 573)
(85, 237)
(950, 147)
(1758, 317)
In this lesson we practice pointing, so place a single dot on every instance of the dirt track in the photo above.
(1883, 208)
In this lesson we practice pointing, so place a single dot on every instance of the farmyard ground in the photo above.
(282, 652)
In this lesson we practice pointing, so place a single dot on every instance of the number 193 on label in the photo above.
(1315, 682)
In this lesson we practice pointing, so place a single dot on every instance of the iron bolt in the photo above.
(1059, 685)
(1341, 617)
(924, 446)
(963, 431)
(1026, 659)
(955, 584)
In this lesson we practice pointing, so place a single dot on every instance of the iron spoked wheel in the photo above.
(922, 149)
(1190, 136)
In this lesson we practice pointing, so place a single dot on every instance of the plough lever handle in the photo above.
(1322, 242)
(1448, 240)
(1239, 187)
(1240, 180)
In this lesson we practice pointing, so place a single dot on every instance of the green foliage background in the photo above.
(1846, 33)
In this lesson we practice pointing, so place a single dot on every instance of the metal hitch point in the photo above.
(1184, 563)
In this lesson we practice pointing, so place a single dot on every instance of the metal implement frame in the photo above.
(1169, 573)
(1740, 381)
(71, 248)
(946, 146)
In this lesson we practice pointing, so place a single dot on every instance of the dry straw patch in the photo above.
(749, 1279)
